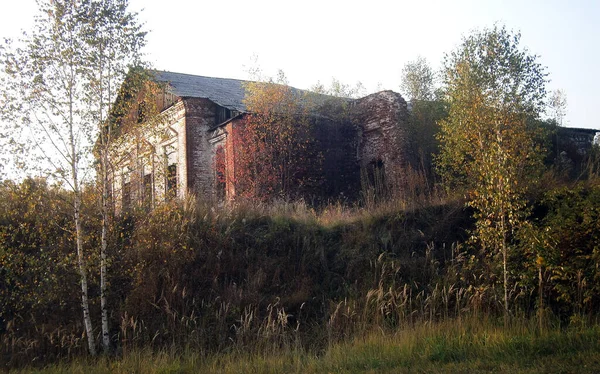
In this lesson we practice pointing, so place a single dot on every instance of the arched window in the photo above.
(220, 173)
(126, 190)
(170, 154)
(377, 174)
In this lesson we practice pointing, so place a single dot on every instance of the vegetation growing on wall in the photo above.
(274, 148)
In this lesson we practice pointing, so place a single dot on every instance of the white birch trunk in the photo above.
(87, 321)
(103, 256)
(105, 141)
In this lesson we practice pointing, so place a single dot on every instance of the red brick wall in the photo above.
(382, 120)
(230, 160)
(382, 133)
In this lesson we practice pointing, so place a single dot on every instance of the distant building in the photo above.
(576, 140)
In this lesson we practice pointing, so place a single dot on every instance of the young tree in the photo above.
(113, 39)
(56, 89)
(274, 143)
(49, 94)
(340, 90)
(418, 80)
(558, 106)
(418, 84)
(494, 89)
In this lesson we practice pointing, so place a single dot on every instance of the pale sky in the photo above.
(366, 41)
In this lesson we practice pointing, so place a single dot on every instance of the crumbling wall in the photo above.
(384, 136)
(575, 141)
(143, 151)
(222, 137)
(369, 131)
(176, 116)
(375, 132)
(199, 118)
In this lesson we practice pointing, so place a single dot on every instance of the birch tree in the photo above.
(113, 39)
(494, 88)
(558, 106)
(418, 80)
(419, 85)
(57, 84)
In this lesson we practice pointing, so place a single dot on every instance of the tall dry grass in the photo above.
(198, 282)
(461, 345)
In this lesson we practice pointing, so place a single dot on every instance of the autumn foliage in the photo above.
(274, 148)
(495, 89)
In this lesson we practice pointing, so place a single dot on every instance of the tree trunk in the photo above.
(504, 260)
(87, 321)
(541, 298)
(103, 258)
(83, 273)
(105, 141)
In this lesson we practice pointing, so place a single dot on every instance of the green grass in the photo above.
(453, 346)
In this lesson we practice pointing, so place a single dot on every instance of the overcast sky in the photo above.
(366, 41)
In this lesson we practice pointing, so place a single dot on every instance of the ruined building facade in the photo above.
(176, 155)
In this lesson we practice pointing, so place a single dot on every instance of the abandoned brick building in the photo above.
(176, 156)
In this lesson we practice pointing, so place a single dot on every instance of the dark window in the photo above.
(147, 189)
(220, 171)
(126, 198)
(171, 181)
(377, 175)
(142, 112)
(168, 99)
(222, 115)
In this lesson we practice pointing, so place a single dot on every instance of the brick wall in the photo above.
(375, 131)
(382, 122)
(378, 130)
(199, 118)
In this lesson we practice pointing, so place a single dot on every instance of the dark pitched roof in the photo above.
(226, 92)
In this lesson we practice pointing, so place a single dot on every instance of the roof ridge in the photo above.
(199, 76)
(226, 92)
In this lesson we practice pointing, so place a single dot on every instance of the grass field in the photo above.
(453, 346)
